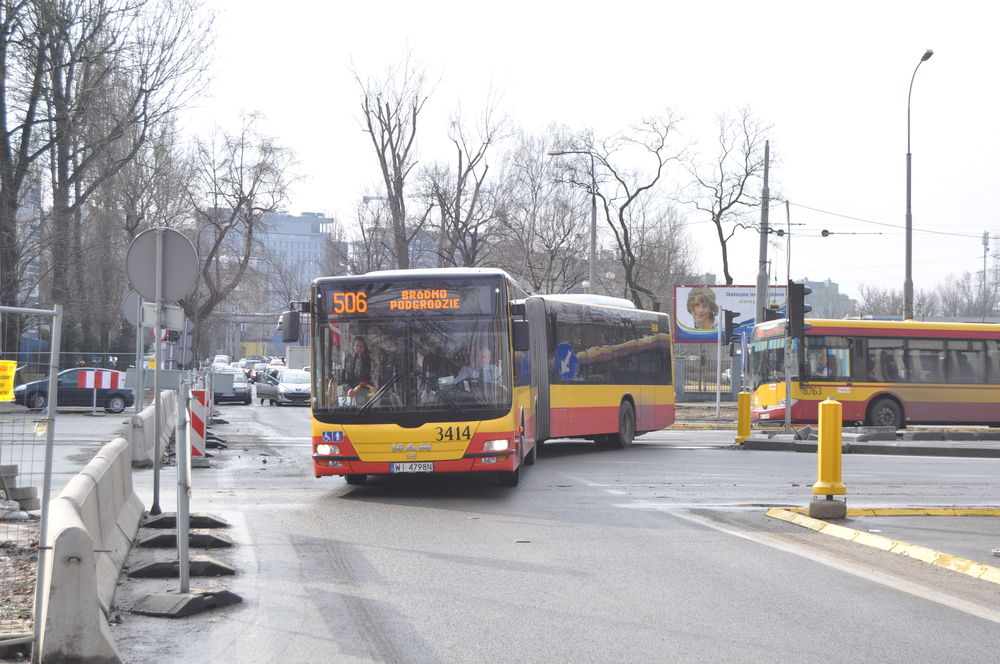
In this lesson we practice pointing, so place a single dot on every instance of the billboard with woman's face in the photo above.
(698, 309)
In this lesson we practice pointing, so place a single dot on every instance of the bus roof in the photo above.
(437, 272)
(588, 298)
(892, 328)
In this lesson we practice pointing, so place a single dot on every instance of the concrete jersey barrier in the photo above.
(141, 429)
(92, 524)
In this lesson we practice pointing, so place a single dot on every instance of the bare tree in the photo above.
(728, 187)
(391, 108)
(115, 68)
(375, 249)
(877, 302)
(336, 255)
(626, 195)
(542, 241)
(22, 77)
(239, 178)
(962, 297)
(666, 253)
(466, 203)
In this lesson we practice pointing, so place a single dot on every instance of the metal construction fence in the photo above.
(698, 374)
(26, 440)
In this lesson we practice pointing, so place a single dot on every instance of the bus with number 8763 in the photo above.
(884, 373)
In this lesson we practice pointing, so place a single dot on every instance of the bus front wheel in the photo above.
(885, 413)
(355, 480)
(512, 477)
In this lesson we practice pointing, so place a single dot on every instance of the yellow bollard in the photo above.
(828, 459)
(742, 417)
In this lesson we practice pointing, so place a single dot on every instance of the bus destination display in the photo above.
(356, 302)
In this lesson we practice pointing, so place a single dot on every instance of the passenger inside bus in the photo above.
(358, 370)
(820, 365)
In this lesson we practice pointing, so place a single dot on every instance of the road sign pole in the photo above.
(158, 332)
(140, 391)
(183, 488)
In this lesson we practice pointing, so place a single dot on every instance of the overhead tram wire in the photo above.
(881, 223)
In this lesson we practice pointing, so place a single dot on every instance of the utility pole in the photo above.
(765, 202)
(986, 250)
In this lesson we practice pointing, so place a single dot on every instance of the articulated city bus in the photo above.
(885, 373)
(460, 370)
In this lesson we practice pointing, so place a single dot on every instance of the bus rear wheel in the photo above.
(626, 427)
(885, 413)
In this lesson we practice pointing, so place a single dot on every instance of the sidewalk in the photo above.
(915, 441)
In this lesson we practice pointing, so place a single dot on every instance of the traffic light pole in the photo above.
(789, 354)
(718, 374)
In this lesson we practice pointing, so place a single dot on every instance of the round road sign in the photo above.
(179, 264)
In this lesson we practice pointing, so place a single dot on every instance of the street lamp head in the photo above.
(927, 55)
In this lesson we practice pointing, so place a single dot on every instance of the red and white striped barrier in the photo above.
(199, 415)
(100, 379)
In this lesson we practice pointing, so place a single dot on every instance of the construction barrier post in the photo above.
(742, 417)
(199, 417)
(828, 458)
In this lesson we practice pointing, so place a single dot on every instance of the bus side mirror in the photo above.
(519, 329)
(288, 324)
(805, 373)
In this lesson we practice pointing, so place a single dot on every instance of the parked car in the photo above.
(288, 386)
(111, 395)
(241, 389)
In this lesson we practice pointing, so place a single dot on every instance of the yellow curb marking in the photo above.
(971, 568)
(911, 511)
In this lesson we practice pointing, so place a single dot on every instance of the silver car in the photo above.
(287, 386)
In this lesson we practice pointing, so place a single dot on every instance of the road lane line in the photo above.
(884, 579)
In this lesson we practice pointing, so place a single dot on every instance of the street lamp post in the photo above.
(592, 279)
(908, 282)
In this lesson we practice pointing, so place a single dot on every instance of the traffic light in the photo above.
(174, 335)
(730, 324)
(773, 312)
(797, 308)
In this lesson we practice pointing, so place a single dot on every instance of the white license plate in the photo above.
(765, 416)
(413, 467)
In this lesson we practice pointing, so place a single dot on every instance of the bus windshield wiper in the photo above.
(448, 400)
(381, 391)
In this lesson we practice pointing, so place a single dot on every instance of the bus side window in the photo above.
(992, 363)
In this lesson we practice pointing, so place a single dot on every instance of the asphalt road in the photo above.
(659, 553)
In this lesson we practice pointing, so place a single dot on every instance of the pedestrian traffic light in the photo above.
(730, 324)
(797, 308)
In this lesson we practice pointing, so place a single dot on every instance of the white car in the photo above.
(287, 386)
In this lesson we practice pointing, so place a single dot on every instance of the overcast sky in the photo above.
(831, 78)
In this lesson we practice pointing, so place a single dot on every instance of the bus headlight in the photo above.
(324, 448)
(496, 445)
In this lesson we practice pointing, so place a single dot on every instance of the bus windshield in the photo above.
(767, 356)
(410, 352)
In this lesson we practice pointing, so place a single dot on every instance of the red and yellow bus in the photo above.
(885, 373)
(460, 370)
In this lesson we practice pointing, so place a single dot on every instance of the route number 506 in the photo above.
(350, 303)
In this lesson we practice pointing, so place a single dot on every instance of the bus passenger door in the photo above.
(539, 354)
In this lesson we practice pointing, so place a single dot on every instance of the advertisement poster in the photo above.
(698, 309)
